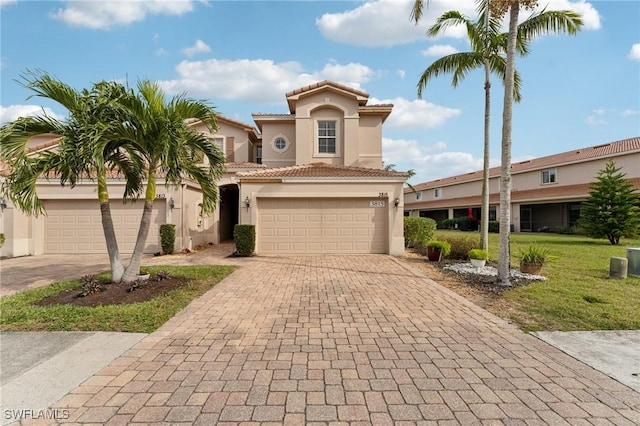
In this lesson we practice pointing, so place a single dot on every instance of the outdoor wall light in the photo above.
(3, 204)
(396, 202)
(247, 202)
(172, 203)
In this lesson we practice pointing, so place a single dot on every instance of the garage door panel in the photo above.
(321, 226)
(75, 226)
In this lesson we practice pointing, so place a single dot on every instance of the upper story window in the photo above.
(549, 176)
(418, 195)
(219, 142)
(326, 137)
(437, 193)
(259, 154)
(280, 144)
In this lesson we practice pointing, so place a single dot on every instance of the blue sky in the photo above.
(244, 56)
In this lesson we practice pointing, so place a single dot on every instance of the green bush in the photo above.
(245, 239)
(478, 254)
(494, 226)
(418, 230)
(167, 237)
(566, 230)
(449, 223)
(444, 246)
(461, 244)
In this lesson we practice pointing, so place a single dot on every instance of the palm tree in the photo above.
(159, 132)
(488, 46)
(498, 8)
(83, 151)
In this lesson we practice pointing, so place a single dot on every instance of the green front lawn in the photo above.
(18, 312)
(578, 295)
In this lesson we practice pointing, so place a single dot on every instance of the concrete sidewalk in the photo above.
(38, 368)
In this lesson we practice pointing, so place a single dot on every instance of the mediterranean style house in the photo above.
(546, 193)
(310, 180)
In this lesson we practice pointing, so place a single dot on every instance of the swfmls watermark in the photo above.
(31, 414)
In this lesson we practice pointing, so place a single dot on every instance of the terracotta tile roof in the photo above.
(271, 115)
(243, 125)
(327, 83)
(548, 194)
(575, 156)
(245, 165)
(322, 170)
(376, 106)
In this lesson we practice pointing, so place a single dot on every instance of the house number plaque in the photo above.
(376, 203)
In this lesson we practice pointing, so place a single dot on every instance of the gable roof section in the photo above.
(294, 95)
(606, 150)
(321, 170)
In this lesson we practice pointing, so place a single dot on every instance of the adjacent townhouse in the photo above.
(546, 194)
(310, 180)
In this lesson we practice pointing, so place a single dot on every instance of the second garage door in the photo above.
(292, 225)
(75, 226)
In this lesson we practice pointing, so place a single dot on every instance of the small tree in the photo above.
(612, 209)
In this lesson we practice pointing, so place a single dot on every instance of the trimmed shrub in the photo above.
(563, 230)
(460, 245)
(245, 239)
(494, 226)
(418, 230)
(449, 223)
(167, 237)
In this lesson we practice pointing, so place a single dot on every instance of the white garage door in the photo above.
(289, 225)
(75, 226)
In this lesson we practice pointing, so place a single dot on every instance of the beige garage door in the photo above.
(289, 225)
(75, 226)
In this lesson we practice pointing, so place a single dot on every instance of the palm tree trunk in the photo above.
(484, 210)
(133, 269)
(504, 261)
(117, 268)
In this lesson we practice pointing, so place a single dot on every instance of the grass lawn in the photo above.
(20, 314)
(578, 295)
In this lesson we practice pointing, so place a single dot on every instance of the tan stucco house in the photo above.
(310, 180)
(546, 192)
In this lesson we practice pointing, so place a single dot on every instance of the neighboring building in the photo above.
(546, 191)
(311, 182)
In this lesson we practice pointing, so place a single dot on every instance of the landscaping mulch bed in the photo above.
(481, 290)
(116, 294)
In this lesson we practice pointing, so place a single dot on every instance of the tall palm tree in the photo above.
(488, 47)
(84, 151)
(159, 133)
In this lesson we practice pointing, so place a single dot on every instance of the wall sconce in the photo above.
(247, 202)
(396, 202)
(172, 203)
(3, 204)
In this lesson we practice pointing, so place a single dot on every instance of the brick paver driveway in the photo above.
(344, 339)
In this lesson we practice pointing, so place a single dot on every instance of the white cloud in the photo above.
(391, 24)
(634, 53)
(416, 114)
(7, 2)
(430, 162)
(389, 21)
(257, 80)
(102, 15)
(199, 47)
(401, 73)
(13, 112)
(597, 118)
(156, 37)
(440, 50)
(630, 112)
(161, 52)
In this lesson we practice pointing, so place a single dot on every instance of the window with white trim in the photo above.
(549, 176)
(326, 137)
(280, 144)
(418, 195)
(437, 193)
